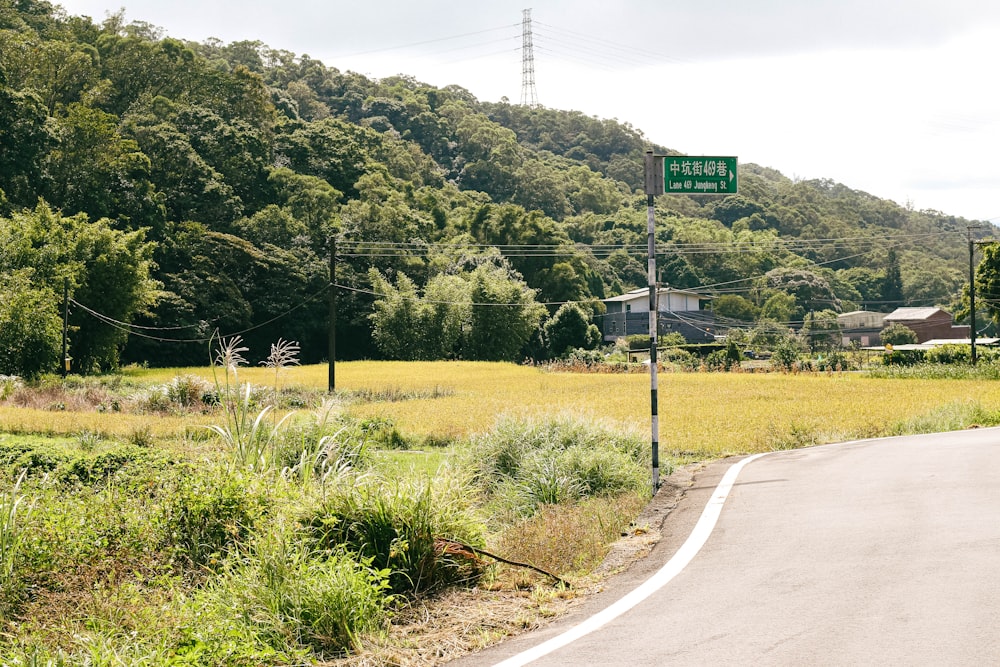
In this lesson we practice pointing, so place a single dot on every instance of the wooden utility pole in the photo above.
(972, 298)
(65, 331)
(332, 324)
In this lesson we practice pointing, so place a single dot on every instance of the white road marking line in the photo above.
(695, 541)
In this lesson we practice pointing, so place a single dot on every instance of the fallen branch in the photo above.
(453, 546)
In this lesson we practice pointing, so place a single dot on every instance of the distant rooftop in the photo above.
(909, 314)
(644, 291)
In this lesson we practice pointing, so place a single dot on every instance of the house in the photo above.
(677, 310)
(927, 323)
(861, 326)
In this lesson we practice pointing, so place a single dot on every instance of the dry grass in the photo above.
(585, 532)
(701, 414)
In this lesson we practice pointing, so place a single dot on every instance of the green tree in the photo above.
(779, 307)
(987, 276)
(504, 315)
(570, 328)
(892, 284)
(811, 290)
(735, 307)
(30, 326)
(399, 318)
(821, 331)
(108, 272)
(24, 140)
(95, 170)
(898, 334)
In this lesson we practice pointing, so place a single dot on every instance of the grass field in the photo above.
(140, 537)
(701, 414)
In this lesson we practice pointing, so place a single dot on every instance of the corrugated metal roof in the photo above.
(644, 291)
(909, 314)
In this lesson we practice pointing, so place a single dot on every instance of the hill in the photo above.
(220, 173)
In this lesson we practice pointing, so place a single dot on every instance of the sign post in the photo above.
(654, 186)
(675, 175)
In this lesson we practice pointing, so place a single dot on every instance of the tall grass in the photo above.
(14, 509)
(283, 593)
(248, 433)
(395, 524)
(524, 464)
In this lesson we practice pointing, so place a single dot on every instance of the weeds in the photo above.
(248, 437)
(14, 511)
(283, 593)
(523, 465)
(395, 524)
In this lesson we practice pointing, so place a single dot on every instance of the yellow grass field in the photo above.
(700, 413)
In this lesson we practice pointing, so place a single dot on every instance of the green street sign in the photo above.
(685, 175)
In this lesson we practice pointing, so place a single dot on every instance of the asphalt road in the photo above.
(881, 552)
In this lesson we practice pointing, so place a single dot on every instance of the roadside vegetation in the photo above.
(238, 515)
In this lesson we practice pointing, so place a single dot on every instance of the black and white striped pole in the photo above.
(654, 186)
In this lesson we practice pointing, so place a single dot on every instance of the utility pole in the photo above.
(65, 331)
(972, 296)
(332, 324)
(654, 186)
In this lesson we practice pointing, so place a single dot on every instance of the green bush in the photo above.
(834, 361)
(717, 361)
(208, 515)
(37, 461)
(92, 469)
(675, 355)
(637, 342)
(903, 357)
(285, 593)
(949, 354)
(785, 354)
(525, 464)
(397, 526)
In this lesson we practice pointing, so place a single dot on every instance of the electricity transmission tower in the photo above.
(529, 97)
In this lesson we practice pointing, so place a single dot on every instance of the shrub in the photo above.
(188, 391)
(525, 464)
(637, 342)
(283, 592)
(897, 334)
(949, 354)
(8, 385)
(903, 357)
(397, 526)
(717, 361)
(834, 361)
(208, 515)
(785, 354)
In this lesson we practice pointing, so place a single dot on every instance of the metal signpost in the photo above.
(676, 175)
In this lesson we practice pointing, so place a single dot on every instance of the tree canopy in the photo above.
(192, 187)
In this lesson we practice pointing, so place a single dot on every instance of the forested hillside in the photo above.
(175, 189)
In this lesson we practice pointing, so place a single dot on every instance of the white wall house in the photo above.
(679, 310)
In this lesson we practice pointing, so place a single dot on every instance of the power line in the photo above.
(428, 41)
(139, 331)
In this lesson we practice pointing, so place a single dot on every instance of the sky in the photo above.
(897, 98)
